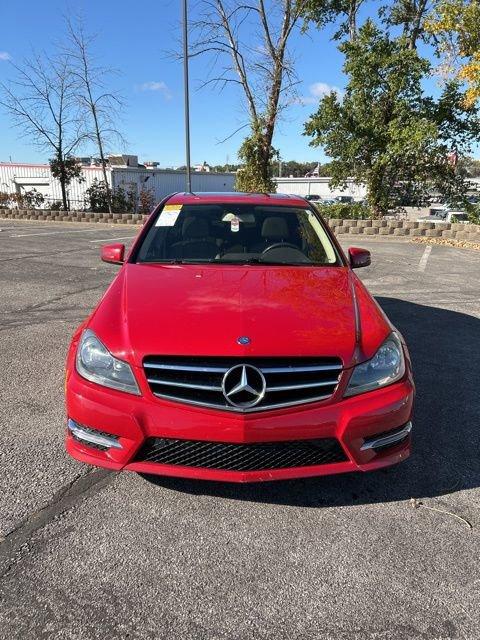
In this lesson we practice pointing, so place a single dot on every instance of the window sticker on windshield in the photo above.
(234, 221)
(169, 215)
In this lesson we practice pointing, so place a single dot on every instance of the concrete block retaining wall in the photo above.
(395, 228)
(405, 228)
(72, 216)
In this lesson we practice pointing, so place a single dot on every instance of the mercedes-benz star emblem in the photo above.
(244, 386)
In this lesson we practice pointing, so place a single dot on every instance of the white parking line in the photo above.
(109, 239)
(55, 233)
(424, 259)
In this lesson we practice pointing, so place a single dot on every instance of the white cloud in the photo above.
(153, 85)
(4, 55)
(320, 89)
(316, 91)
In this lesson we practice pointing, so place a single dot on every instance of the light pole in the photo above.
(187, 98)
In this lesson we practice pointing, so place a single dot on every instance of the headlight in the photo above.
(386, 366)
(96, 363)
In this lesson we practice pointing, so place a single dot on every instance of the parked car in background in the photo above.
(345, 199)
(312, 197)
(236, 343)
(447, 207)
(444, 217)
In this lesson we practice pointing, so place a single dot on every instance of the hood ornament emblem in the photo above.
(243, 340)
(244, 386)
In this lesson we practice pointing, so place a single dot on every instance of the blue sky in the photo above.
(134, 38)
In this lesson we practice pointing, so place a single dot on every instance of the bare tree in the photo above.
(248, 47)
(101, 105)
(43, 104)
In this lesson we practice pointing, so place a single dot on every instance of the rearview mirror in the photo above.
(113, 253)
(359, 257)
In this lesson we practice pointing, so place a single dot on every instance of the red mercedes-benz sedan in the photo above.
(236, 343)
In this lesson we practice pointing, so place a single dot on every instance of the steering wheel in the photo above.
(281, 245)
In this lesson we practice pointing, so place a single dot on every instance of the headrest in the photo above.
(195, 227)
(275, 228)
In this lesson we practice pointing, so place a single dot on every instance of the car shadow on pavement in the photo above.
(445, 351)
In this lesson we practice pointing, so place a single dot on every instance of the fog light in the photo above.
(93, 437)
(387, 439)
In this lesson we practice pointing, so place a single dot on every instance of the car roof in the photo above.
(272, 199)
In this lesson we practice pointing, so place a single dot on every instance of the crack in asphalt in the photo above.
(40, 313)
(15, 544)
(59, 298)
(47, 254)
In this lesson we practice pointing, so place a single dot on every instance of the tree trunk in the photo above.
(102, 155)
(64, 191)
(377, 197)
(352, 20)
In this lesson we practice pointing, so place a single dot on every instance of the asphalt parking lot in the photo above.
(88, 554)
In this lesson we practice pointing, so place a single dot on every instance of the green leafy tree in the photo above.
(343, 13)
(66, 170)
(385, 132)
(469, 167)
(256, 154)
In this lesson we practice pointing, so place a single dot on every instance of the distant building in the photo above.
(314, 173)
(88, 161)
(122, 171)
(319, 186)
(204, 167)
(123, 160)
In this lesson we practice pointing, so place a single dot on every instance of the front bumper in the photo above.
(132, 420)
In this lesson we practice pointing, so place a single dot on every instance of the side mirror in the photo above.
(359, 257)
(113, 253)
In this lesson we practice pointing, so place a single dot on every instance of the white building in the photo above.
(319, 186)
(19, 178)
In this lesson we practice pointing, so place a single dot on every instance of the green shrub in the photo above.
(26, 200)
(474, 214)
(353, 211)
(96, 198)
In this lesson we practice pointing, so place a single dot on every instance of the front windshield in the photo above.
(237, 234)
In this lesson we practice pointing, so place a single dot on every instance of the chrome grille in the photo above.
(199, 380)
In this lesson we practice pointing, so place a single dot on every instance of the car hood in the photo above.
(153, 309)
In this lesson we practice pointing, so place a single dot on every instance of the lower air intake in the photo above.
(241, 457)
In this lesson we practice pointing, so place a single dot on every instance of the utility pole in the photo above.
(186, 94)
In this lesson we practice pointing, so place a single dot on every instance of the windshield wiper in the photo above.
(178, 261)
(271, 263)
